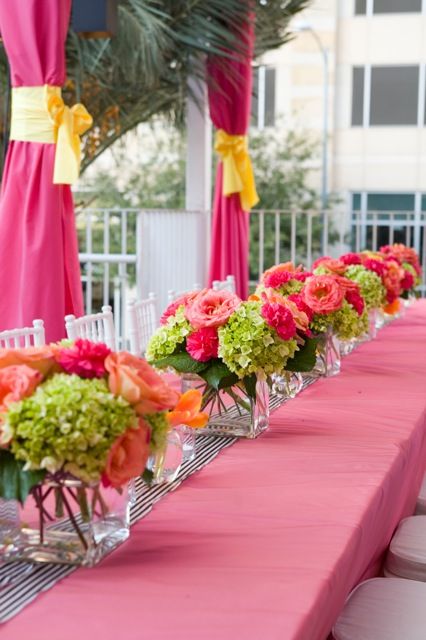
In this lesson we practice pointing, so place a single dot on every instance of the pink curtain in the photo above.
(39, 268)
(230, 88)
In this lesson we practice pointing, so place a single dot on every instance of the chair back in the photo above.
(96, 327)
(142, 319)
(224, 285)
(26, 337)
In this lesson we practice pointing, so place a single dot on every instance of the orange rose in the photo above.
(41, 359)
(284, 266)
(17, 382)
(136, 381)
(128, 456)
(392, 308)
(187, 410)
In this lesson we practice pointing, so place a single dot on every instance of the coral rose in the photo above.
(41, 359)
(203, 345)
(211, 308)
(84, 358)
(17, 382)
(136, 381)
(323, 294)
(278, 268)
(331, 264)
(187, 410)
(174, 306)
(128, 456)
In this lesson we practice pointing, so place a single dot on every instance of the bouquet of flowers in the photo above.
(78, 410)
(226, 341)
(408, 259)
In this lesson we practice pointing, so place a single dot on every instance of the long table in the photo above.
(266, 542)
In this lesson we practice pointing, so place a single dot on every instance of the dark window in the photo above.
(397, 6)
(269, 97)
(424, 202)
(394, 95)
(356, 201)
(390, 202)
(360, 7)
(357, 96)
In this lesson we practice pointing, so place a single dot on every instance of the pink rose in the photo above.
(356, 300)
(331, 264)
(323, 294)
(351, 258)
(279, 318)
(136, 381)
(203, 344)
(17, 382)
(85, 358)
(174, 306)
(211, 308)
(128, 456)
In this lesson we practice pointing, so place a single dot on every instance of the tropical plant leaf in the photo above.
(250, 385)
(218, 375)
(304, 359)
(181, 362)
(15, 483)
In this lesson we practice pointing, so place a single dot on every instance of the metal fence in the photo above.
(128, 252)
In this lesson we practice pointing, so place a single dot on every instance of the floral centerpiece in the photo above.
(408, 259)
(232, 347)
(77, 423)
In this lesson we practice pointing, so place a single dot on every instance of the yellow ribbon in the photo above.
(40, 115)
(237, 168)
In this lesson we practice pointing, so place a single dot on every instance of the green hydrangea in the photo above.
(159, 429)
(167, 337)
(248, 345)
(346, 323)
(321, 271)
(69, 423)
(291, 287)
(370, 284)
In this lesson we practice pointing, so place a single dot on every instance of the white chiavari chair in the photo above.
(173, 295)
(142, 319)
(25, 337)
(224, 285)
(96, 327)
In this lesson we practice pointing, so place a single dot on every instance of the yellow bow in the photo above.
(237, 168)
(69, 125)
(40, 115)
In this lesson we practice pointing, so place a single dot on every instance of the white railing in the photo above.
(127, 253)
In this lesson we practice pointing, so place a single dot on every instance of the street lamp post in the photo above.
(300, 26)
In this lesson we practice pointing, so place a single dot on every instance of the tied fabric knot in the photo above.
(69, 124)
(238, 174)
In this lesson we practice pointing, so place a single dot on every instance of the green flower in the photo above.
(370, 284)
(169, 336)
(346, 323)
(69, 424)
(159, 430)
(292, 286)
(247, 344)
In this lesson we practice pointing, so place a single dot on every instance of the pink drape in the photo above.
(230, 87)
(39, 268)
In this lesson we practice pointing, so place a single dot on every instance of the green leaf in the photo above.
(218, 375)
(15, 483)
(147, 476)
(181, 362)
(250, 385)
(305, 358)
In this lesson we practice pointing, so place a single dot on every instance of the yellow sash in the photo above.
(40, 115)
(237, 168)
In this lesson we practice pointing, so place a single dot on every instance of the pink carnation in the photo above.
(203, 345)
(174, 306)
(279, 318)
(302, 276)
(277, 279)
(323, 294)
(297, 298)
(356, 300)
(209, 308)
(86, 359)
(407, 282)
(375, 265)
(351, 258)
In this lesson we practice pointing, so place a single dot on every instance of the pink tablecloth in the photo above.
(267, 541)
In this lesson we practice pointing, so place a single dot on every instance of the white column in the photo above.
(198, 186)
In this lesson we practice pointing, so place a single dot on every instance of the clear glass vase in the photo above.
(232, 412)
(189, 442)
(165, 464)
(372, 324)
(287, 385)
(380, 319)
(9, 526)
(70, 522)
(347, 346)
(328, 355)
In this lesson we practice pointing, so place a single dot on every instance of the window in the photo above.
(263, 101)
(390, 223)
(393, 94)
(388, 6)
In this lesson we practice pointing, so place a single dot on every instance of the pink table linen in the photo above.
(39, 267)
(268, 540)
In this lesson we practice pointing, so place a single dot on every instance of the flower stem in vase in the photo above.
(97, 497)
(73, 520)
(82, 502)
(59, 503)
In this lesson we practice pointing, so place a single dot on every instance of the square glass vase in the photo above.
(66, 521)
(328, 356)
(232, 412)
